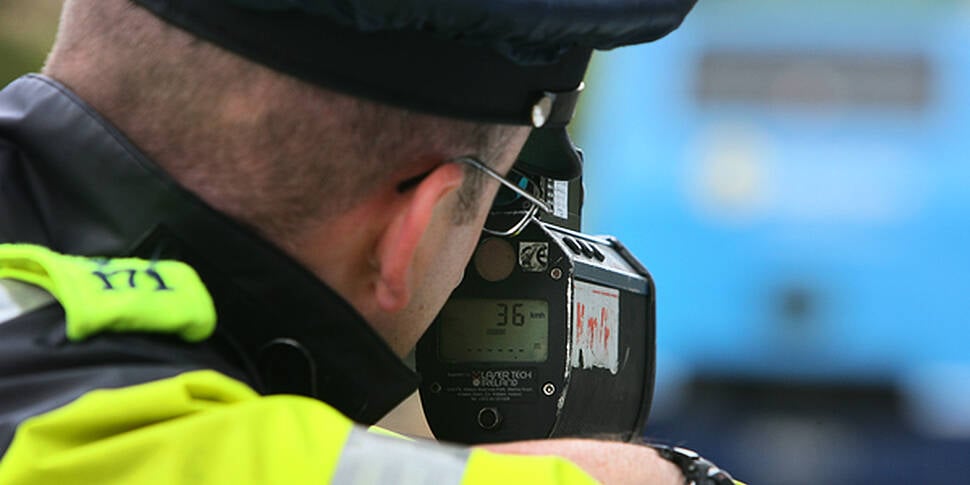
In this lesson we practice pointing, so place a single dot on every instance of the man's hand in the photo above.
(609, 462)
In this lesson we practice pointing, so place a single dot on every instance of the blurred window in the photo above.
(814, 79)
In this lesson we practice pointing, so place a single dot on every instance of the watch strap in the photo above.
(696, 469)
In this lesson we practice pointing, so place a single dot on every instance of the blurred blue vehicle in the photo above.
(795, 174)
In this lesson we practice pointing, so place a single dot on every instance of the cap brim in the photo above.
(550, 153)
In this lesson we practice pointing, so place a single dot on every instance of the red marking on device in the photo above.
(580, 311)
(593, 333)
(606, 329)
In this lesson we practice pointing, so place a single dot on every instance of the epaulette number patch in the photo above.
(116, 294)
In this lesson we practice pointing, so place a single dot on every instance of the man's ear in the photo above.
(398, 245)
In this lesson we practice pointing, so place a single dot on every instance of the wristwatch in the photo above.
(696, 470)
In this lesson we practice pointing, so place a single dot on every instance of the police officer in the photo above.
(225, 222)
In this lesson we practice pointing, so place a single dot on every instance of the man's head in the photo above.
(316, 171)
(320, 173)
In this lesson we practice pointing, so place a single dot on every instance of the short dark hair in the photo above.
(272, 151)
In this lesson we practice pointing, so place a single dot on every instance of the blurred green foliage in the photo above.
(27, 29)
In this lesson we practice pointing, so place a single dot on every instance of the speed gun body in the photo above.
(550, 334)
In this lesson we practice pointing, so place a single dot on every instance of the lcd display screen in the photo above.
(493, 330)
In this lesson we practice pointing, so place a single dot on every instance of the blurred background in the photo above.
(794, 174)
(27, 29)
